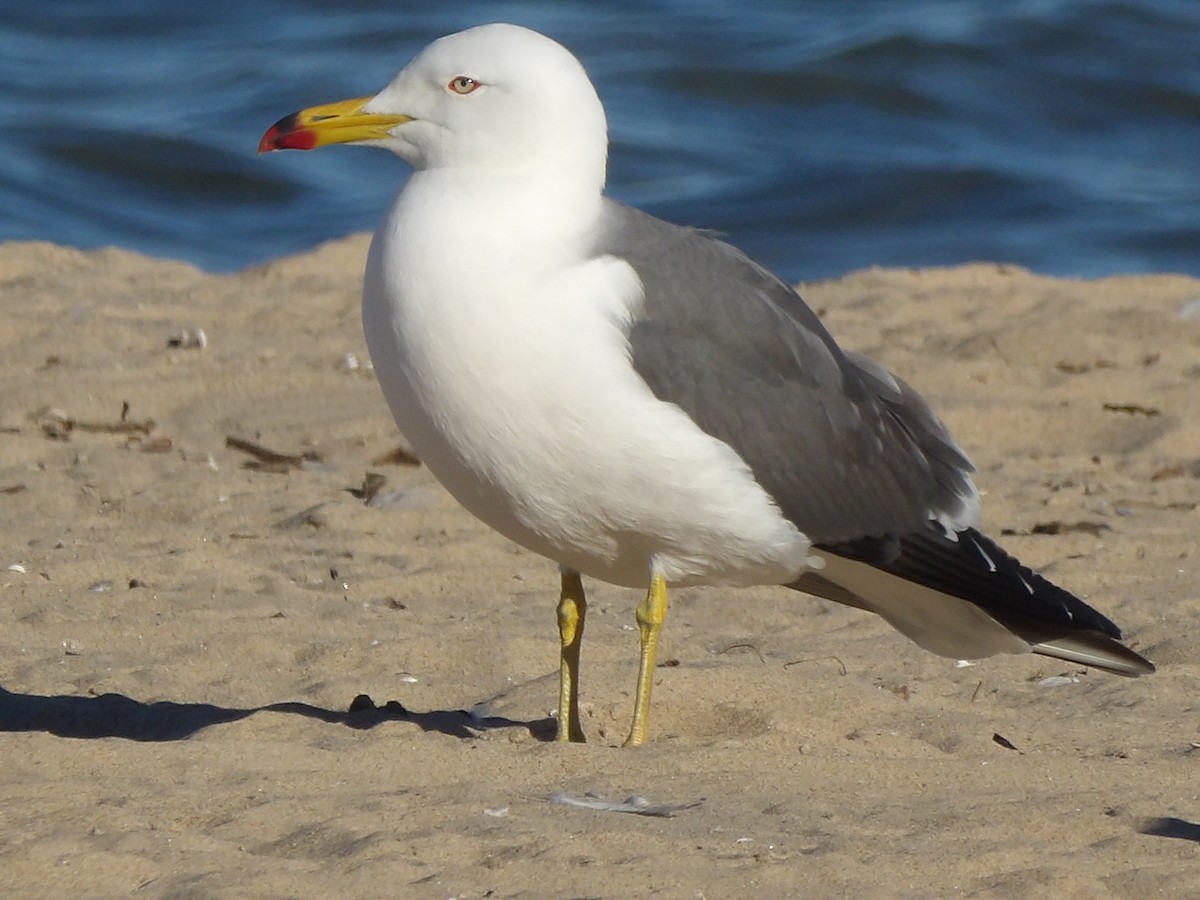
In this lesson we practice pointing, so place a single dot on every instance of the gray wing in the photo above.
(846, 450)
(851, 454)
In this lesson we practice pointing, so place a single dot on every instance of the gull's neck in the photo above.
(515, 215)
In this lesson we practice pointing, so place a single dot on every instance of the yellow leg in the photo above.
(651, 613)
(572, 608)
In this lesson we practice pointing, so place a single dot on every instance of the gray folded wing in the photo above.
(844, 448)
(852, 455)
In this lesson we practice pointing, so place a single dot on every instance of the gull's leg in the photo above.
(572, 608)
(651, 613)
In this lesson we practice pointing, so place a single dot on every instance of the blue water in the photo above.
(820, 136)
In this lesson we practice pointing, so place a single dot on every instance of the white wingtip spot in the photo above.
(991, 564)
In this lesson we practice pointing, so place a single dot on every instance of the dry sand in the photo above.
(181, 649)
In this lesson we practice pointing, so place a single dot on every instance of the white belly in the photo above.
(523, 404)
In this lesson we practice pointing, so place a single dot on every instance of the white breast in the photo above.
(506, 365)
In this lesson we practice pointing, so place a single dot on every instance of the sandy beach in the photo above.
(187, 621)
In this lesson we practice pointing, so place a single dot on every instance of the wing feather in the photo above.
(844, 448)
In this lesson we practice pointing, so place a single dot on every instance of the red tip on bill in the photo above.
(285, 135)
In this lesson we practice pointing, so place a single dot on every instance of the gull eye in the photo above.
(462, 84)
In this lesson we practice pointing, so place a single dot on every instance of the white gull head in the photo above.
(496, 98)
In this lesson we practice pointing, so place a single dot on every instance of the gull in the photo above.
(641, 403)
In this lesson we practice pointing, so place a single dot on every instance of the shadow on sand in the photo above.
(115, 715)
(1171, 827)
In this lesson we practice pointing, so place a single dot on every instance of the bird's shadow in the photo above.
(1171, 827)
(115, 715)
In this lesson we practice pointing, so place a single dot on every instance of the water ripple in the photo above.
(822, 137)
